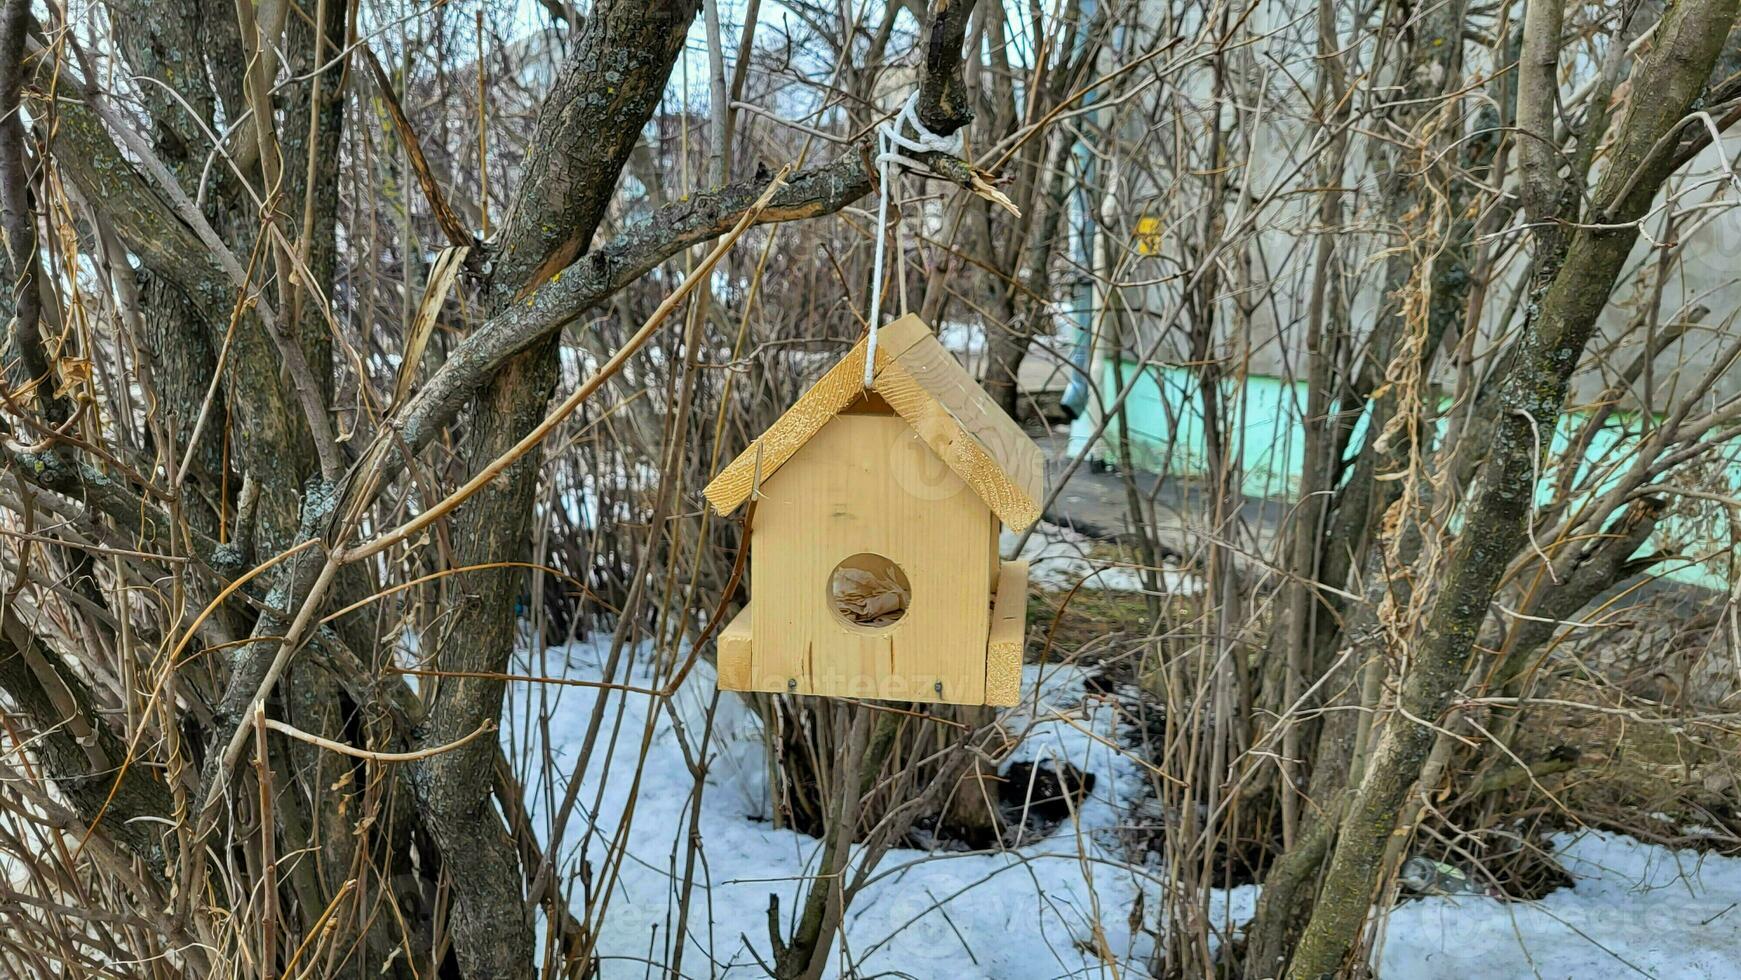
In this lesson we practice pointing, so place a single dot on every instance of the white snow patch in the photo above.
(1637, 910)
(1027, 912)
(1059, 558)
(1032, 911)
(965, 340)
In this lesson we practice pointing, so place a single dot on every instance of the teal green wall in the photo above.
(1165, 421)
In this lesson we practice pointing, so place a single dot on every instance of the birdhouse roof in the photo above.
(925, 385)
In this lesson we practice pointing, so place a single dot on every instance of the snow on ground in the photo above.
(1034, 911)
(1029, 912)
(1058, 558)
(1636, 910)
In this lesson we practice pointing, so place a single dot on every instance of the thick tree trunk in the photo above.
(1534, 385)
(606, 93)
(219, 290)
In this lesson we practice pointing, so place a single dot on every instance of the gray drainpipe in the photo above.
(1081, 310)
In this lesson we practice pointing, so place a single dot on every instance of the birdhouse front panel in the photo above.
(872, 569)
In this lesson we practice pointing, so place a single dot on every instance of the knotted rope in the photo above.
(891, 141)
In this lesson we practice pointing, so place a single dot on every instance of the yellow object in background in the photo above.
(1147, 239)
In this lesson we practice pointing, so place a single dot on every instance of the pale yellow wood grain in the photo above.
(733, 653)
(959, 448)
(926, 487)
(1003, 651)
(837, 389)
(968, 430)
(866, 483)
(923, 382)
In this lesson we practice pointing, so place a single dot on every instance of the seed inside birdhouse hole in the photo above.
(868, 590)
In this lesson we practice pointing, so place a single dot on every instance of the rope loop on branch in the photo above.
(891, 141)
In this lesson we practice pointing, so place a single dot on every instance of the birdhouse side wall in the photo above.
(867, 484)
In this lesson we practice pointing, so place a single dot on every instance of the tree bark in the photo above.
(603, 97)
(1534, 385)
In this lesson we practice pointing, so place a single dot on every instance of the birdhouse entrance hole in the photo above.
(868, 591)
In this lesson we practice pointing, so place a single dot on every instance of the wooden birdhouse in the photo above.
(874, 568)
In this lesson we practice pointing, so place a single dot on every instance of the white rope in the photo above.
(890, 142)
